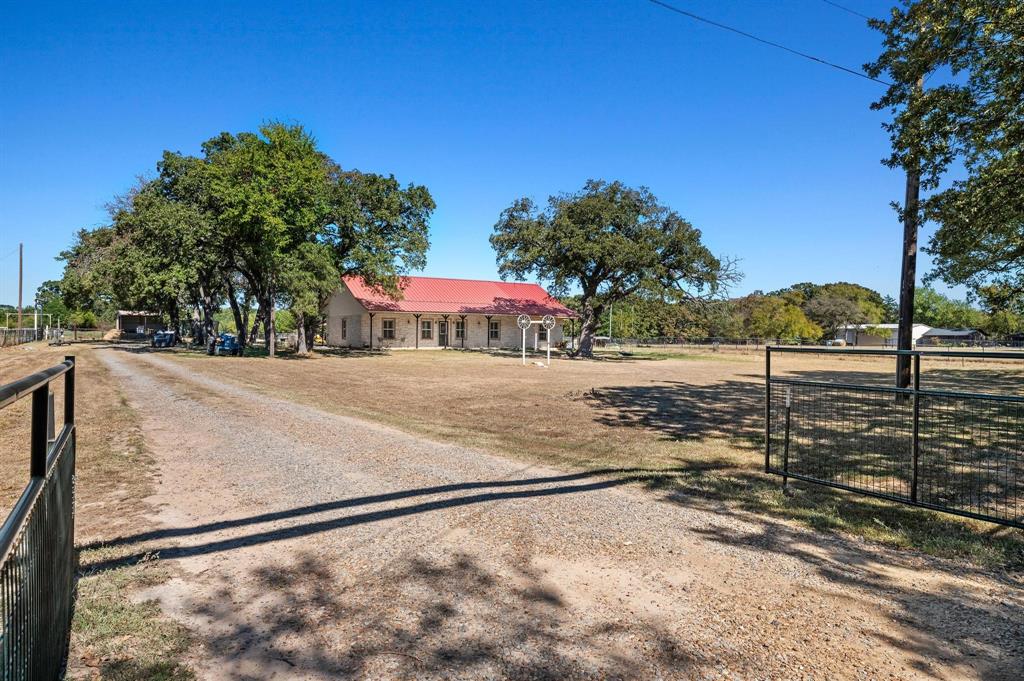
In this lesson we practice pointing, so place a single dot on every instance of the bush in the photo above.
(82, 319)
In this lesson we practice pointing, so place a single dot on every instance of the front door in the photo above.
(442, 333)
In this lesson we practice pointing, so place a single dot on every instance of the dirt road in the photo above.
(311, 545)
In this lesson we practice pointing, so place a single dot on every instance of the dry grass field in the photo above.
(686, 425)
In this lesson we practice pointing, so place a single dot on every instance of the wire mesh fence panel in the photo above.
(953, 451)
(851, 436)
(972, 455)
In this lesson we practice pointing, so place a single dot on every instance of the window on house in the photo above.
(460, 329)
(542, 334)
(494, 329)
(387, 329)
(426, 329)
(344, 329)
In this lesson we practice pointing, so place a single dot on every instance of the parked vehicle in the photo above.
(164, 339)
(224, 344)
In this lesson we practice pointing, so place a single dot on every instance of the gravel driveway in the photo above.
(311, 545)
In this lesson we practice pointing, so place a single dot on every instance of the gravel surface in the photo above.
(311, 545)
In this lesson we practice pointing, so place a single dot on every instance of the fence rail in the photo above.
(19, 336)
(726, 342)
(954, 451)
(37, 558)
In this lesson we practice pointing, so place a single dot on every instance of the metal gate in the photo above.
(37, 557)
(951, 451)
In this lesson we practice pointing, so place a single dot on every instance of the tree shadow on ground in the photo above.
(433, 617)
(985, 636)
(863, 441)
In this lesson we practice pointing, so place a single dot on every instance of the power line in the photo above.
(847, 9)
(798, 53)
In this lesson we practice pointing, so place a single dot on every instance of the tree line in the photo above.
(807, 311)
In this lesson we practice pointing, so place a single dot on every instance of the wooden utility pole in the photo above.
(21, 248)
(908, 274)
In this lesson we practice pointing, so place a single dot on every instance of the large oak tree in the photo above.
(606, 242)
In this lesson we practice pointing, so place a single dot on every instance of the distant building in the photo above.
(137, 322)
(938, 336)
(887, 335)
(882, 335)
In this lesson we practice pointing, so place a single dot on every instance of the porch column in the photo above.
(465, 330)
(417, 332)
(488, 318)
(446, 329)
(371, 331)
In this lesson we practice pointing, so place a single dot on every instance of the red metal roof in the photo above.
(460, 296)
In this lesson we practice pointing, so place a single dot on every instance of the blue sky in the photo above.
(774, 158)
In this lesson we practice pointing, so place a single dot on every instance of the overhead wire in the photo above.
(765, 41)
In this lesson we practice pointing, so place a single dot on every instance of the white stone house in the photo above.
(442, 313)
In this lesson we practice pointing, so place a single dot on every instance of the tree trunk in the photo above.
(198, 338)
(270, 322)
(588, 327)
(300, 333)
(255, 326)
(312, 328)
(237, 313)
(206, 303)
(245, 318)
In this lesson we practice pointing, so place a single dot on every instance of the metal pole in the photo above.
(549, 348)
(69, 391)
(767, 408)
(37, 439)
(916, 451)
(524, 347)
(21, 251)
(908, 271)
(785, 442)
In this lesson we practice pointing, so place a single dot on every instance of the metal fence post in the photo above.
(37, 448)
(69, 391)
(916, 445)
(767, 407)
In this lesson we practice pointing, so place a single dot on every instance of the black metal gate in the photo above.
(37, 557)
(951, 451)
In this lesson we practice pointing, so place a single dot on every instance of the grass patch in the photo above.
(124, 640)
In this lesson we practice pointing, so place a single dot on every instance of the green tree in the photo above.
(608, 241)
(85, 283)
(296, 221)
(51, 301)
(935, 309)
(268, 192)
(831, 312)
(870, 303)
(890, 310)
(972, 120)
(775, 317)
(164, 254)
